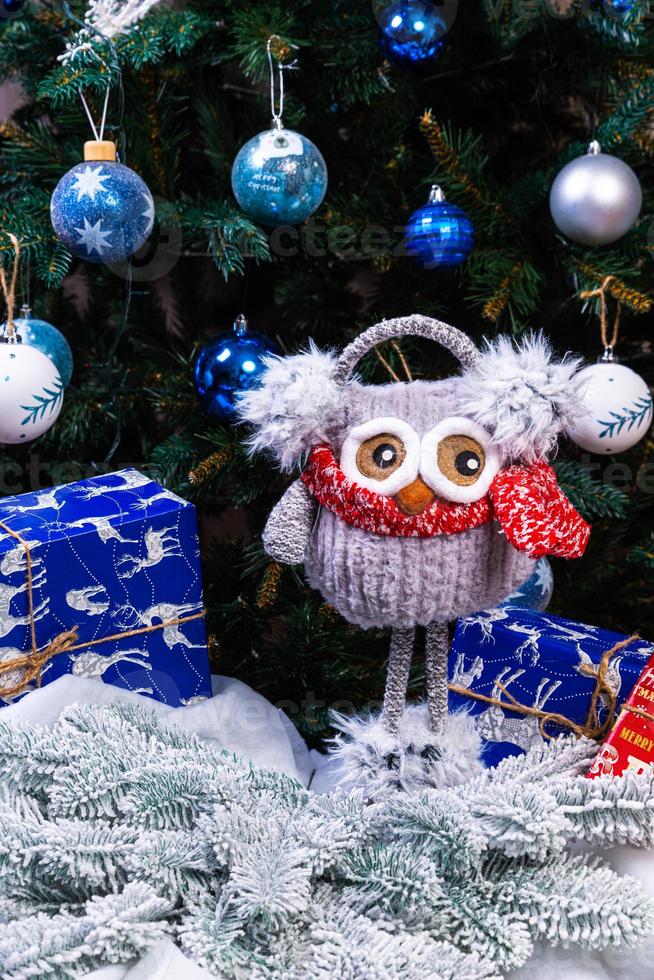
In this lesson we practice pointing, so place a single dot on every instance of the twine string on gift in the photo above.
(30, 665)
(608, 342)
(9, 287)
(592, 727)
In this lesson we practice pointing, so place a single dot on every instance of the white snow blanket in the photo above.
(242, 722)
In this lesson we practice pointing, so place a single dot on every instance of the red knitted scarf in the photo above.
(526, 501)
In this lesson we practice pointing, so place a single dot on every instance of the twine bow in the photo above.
(604, 312)
(30, 665)
(9, 288)
(592, 728)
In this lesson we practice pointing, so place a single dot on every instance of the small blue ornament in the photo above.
(279, 177)
(13, 6)
(47, 339)
(229, 364)
(536, 592)
(411, 30)
(619, 6)
(439, 234)
(101, 210)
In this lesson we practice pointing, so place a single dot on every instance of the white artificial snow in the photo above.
(243, 722)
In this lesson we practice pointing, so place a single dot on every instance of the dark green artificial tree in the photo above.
(517, 90)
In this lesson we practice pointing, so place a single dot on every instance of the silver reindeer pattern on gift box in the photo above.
(420, 501)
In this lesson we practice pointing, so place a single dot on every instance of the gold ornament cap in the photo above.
(100, 150)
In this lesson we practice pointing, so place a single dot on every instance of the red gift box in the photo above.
(630, 743)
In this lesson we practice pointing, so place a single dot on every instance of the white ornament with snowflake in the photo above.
(619, 404)
(31, 393)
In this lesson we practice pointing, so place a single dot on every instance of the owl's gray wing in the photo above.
(288, 529)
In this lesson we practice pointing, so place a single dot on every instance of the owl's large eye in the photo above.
(381, 455)
(461, 459)
(458, 461)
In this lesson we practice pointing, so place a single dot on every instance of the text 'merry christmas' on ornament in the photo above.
(46, 338)
(411, 31)
(397, 514)
(228, 365)
(279, 177)
(596, 198)
(101, 210)
(440, 234)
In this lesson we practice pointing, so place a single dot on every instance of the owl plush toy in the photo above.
(418, 502)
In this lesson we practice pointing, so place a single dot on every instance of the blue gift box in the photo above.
(115, 558)
(537, 657)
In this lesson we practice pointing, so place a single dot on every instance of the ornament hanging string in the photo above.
(99, 134)
(608, 342)
(31, 664)
(278, 111)
(9, 288)
(592, 727)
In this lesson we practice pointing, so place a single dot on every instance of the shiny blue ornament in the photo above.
(227, 365)
(411, 30)
(47, 339)
(13, 6)
(619, 6)
(102, 211)
(536, 592)
(439, 234)
(279, 177)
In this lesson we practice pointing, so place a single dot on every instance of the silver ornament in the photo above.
(596, 198)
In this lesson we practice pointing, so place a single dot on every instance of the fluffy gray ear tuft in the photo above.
(523, 395)
(292, 409)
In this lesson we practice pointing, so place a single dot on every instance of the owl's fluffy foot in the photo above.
(365, 756)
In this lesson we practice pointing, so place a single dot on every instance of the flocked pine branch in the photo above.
(109, 821)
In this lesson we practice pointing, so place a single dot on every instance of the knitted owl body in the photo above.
(377, 581)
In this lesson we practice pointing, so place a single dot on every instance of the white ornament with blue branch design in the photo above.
(619, 404)
(31, 392)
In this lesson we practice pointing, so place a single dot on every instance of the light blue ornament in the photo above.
(279, 177)
(440, 234)
(536, 592)
(229, 364)
(47, 339)
(101, 210)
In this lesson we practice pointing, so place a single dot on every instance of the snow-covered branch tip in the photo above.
(106, 19)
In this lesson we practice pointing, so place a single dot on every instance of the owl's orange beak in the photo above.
(415, 498)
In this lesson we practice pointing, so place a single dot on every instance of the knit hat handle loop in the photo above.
(453, 339)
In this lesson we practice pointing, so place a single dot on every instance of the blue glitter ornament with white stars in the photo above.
(229, 364)
(101, 210)
(411, 31)
(46, 338)
(279, 177)
(440, 234)
(536, 592)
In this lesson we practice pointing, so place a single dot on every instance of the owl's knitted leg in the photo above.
(437, 648)
(397, 678)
